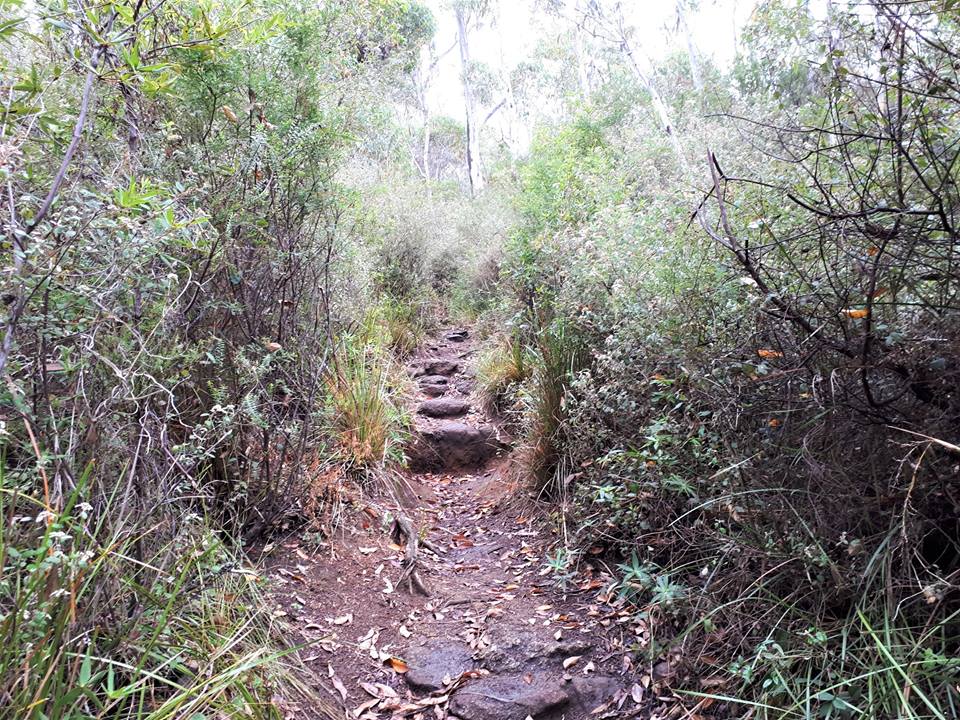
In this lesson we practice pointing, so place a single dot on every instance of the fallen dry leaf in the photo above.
(363, 707)
(339, 686)
(571, 661)
(398, 665)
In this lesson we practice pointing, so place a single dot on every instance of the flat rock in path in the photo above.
(506, 698)
(452, 445)
(434, 385)
(433, 391)
(591, 691)
(457, 336)
(444, 407)
(429, 664)
(514, 649)
(436, 367)
(434, 380)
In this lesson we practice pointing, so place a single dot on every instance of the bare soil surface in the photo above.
(496, 638)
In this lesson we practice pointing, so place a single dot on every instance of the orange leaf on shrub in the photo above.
(856, 314)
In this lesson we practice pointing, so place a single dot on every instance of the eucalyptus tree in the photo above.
(469, 15)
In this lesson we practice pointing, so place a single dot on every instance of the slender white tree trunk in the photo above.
(658, 104)
(583, 75)
(474, 167)
(691, 46)
(422, 84)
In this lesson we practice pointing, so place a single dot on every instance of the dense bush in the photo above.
(745, 390)
(184, 266)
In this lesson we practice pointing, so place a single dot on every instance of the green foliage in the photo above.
(369, 423)
(183, 265)
(113, 616)
(720, 424)
(501, 369)
(561, 178)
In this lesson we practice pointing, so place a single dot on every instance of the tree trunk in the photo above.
(474, 168)
(691, 47)
(583, 75)
(658, 105)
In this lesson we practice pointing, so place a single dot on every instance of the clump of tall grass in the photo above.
(501, 368)
(879, 658)
(395, 325)
(370, 425)
(108, 611)
(556, 356)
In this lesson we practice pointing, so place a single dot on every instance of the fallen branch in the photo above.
(936, 441)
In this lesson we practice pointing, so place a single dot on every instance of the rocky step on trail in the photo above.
(494, 638)
(443, 407)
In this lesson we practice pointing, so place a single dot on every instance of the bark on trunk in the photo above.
(691, 47)
(474, 167)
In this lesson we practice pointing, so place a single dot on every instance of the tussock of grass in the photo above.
(395, 325)
(501, 368)
(879, 660)
(108, 611)
(547, 368)
(367, 420)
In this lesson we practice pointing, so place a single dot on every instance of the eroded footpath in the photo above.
(496, 638)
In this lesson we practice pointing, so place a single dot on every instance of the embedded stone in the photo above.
(444, 407)
(436, 367)
(452, 445)
(497, 698)
(429, 664)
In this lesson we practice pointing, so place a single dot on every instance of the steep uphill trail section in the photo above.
(495, 638)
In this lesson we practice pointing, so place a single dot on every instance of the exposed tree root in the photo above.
(402, 527)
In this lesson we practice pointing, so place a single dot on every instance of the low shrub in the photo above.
(742, 397)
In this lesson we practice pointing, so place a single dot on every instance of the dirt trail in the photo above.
(495, 639)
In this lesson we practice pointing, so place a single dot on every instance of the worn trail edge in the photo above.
(471, 626)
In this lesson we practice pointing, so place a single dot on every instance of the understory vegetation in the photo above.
(205, 305)
(720, 311)
(737, 364)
